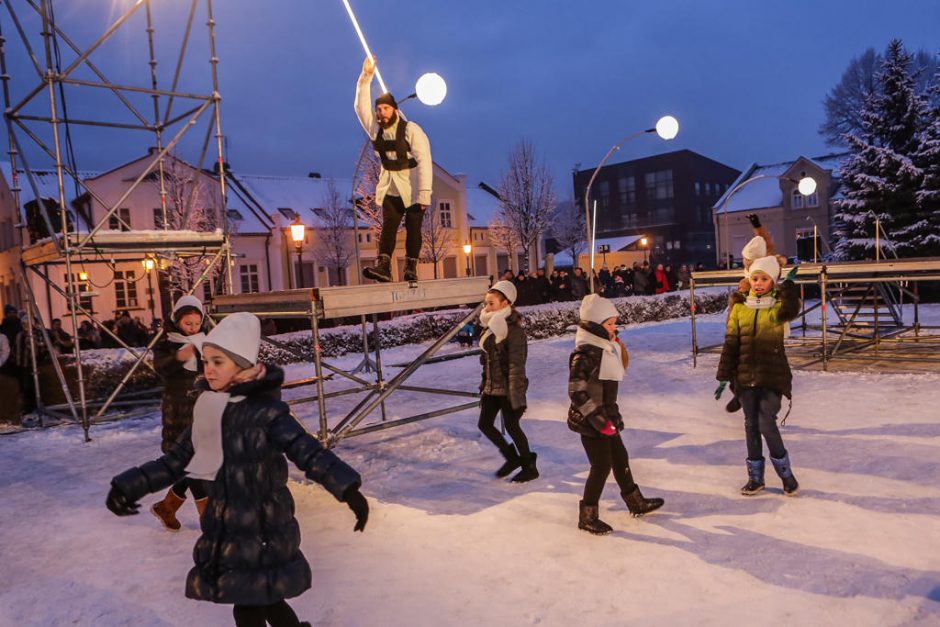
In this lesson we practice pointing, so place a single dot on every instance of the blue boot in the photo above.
(782, 466)
(755, 477)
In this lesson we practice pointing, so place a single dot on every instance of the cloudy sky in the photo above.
(745, 78)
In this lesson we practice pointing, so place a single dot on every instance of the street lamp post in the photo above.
(148, 266)
(297, 233)
(667, 127)
(467, 249)
(806, 186)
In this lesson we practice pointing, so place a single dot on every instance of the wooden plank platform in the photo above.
(918, 269)
(157, 241)
(355, 300)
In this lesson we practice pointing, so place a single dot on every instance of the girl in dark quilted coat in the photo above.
(249, 551)
(596, 367)
(504, 383)
(175, 359)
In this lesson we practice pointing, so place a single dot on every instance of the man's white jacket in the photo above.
(413, 184)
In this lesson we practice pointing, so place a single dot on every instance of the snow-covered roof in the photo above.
(765, 192)
(482, 207)
(617, 244)
(47, 183)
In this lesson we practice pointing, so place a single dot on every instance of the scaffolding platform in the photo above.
(861, 308)
(181, 243)
(320, 303)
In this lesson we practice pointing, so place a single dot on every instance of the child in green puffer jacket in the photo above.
(753, 357)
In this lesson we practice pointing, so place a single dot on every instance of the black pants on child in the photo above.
(760, 407)
(489, 407)
(393, 210)
(193, 485)
(605, 453)
(279, 614)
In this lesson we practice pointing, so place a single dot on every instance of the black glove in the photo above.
(119, 504)
(360, 507)
(753, 219)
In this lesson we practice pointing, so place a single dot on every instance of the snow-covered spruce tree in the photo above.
(880, 177)
(526, 198)
(925, 232)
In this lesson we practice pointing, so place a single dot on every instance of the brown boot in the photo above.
(166, 510)
(201, 505)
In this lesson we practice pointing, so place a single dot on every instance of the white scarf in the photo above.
(611, 362)
(196, 339)
(495, 324)
(207, 434)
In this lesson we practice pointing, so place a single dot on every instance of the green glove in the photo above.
(791, 274)
(720, 389)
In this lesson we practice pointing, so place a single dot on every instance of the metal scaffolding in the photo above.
(68, 244)
(316, 304)
(860, 306)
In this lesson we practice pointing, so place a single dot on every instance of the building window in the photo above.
(676, 244)
(603, 195)
(662, 214)
(796, 200)
(698, 188)
(804, 232)
(659, 184)
(84, 298)
(120, 220)
(365, 237)
(287, 212)
(249, 278)
(125, 289)
(708, 189)
(207, 290)
(812, 200)
(444, 214)
(158, 218)
(627, 186)
(234, 214)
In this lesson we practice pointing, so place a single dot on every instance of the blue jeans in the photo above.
(760, 407)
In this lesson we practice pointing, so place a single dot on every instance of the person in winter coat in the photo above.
(242, 436)
(753, 358)
(405, 179)
(504, 383)
(596, 367)
(684, 277)
(662, 279)
(176, 360)
(579, 284)
(641, 280)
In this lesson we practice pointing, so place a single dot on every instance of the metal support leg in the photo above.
(825, 337)
(692, 309)
(379, 377)
(366, 365)
(803, 307)
(318, 367)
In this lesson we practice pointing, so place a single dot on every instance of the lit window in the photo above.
(125, 289)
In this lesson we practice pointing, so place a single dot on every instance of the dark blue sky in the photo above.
(746, 79)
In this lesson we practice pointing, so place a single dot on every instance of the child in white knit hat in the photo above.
(242, 436)
(753, 358)
(596, 367)
(177, 362)
(504, 383)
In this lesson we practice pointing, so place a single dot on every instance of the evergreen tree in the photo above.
(880, 178)
(926, 231)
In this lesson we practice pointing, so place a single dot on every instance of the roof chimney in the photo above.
(313, 175)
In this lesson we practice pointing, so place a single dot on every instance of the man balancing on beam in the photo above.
(404, 187)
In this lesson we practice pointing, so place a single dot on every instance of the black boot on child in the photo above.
(513, 460)
(588, 520)
(638, 505)
(529, 471)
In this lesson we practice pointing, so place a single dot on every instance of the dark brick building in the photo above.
(666, 198)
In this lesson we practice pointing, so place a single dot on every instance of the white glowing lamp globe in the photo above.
(807, 185)
(431, 89)
(667, 127)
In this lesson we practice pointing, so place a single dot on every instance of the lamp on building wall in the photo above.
(805, 185)
(645, 245)
(667, 127)
(297, 233)
(467, 249)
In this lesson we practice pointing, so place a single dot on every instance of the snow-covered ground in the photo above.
(449, 544)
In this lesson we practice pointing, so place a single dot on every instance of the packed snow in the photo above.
(447, 543)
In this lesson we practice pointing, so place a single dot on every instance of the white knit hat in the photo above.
(507, 289)
(755, 249)
(768, 265)
(239, 337)
(597, 309)
(187, 301)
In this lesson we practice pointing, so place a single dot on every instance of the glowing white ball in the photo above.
(431, 89)
(667, 127)
(807, 185)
